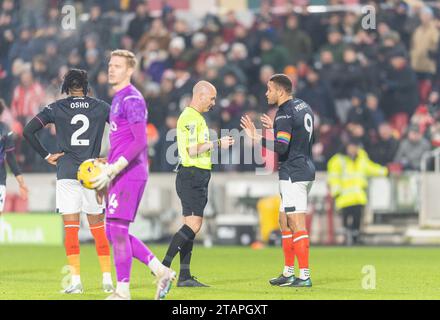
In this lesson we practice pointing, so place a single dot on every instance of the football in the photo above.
(87, 171)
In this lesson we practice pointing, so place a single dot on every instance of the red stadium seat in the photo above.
(425, 87)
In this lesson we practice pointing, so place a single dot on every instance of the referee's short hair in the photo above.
(283, 81)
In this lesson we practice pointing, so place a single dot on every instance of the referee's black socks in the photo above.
(185, 260)
(182, 241)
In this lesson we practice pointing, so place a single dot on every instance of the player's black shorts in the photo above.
(192, 189)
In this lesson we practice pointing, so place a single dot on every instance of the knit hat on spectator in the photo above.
(198, 38)
(177, 43)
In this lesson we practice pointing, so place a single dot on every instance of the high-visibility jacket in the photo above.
(348, 178)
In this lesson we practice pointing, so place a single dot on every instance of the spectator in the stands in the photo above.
(384, 149)
(411, 149)
(259, 90)
(296, 41)
(23, 47)
(140, 23)
(27, 98)
(157, 32)
(358, 113)
(376, 114)
(273, 54)
(399, 88)
(318, 95)
(335, 44)
(424, 45)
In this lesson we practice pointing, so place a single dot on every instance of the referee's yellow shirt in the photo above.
(192, 130)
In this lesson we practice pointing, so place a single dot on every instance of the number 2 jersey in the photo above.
(80, 124)
(293, 130)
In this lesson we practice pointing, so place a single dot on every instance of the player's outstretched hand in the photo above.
(249, 127)
(226, 142)
(53, 158)
(267, 121)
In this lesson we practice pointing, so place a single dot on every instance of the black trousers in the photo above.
(352, 217)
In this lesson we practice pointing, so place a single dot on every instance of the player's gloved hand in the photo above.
(108, 173)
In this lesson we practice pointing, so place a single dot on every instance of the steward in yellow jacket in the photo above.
(348, 179)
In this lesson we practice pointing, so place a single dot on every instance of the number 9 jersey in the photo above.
(80, 124)
(293, 127)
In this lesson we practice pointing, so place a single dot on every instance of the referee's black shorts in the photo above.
(192, 189)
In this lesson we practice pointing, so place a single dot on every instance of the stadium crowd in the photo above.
(380, 86)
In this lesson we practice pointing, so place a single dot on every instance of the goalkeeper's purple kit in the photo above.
(128, 120)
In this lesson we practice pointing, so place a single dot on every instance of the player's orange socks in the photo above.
(71, 243)
(102, 246)
(289, 252)
(301, 247)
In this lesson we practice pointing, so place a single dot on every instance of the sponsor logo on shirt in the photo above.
(282, 117)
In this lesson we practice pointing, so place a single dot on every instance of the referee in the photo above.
(193, 177)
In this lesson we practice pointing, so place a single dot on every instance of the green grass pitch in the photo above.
(28, 272)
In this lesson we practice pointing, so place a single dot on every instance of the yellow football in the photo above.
(87, 171)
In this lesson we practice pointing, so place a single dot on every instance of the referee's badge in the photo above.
(190, 128)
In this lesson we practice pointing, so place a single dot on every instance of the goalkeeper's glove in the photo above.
(108, 173)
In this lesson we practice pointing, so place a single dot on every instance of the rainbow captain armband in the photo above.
(284, 137)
